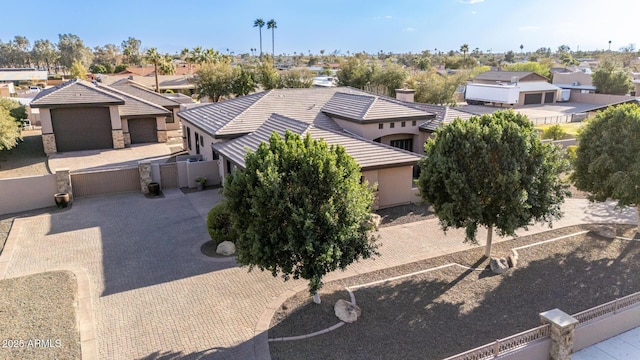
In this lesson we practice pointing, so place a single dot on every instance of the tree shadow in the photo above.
(441, 313)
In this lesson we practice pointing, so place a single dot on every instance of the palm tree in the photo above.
(259, 23)
(521, 47)
(464, 49)
(153, 56)
(273, 26)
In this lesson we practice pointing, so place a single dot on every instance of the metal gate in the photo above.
(169, 175)
(105, 182)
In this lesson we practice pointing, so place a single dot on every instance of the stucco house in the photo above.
(140, 91)
(78, 115)
(532, 88)
(576, 81)
(381, 133)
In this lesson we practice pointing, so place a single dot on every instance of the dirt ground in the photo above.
(444, 312)
(27, 159)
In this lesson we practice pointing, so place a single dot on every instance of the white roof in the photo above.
(529, 86)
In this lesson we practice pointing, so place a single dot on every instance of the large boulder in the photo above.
(346, 311)
(498, 266)
(606, 232)
(226, 248)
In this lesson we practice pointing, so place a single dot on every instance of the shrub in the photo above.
(572, 153)
(219, 224)
(555, 132)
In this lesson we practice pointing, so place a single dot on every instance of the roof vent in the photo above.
(575, 83)
(514, 79)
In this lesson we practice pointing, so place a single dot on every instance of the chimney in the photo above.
(405, 94)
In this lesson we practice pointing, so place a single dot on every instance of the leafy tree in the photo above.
(536, 67)
(434, 88)
(78, 71)
(492, 171)
(259, 23)
(98, 69)
(555, 132)
(72, 49)
(295, 78)
(10, 112)
(607, 163)
(120, 68)
(354, 72)
(244, 80)
(509, 56)
(391, 77)
(108, 54)
(271, 24)
(609, 79)
(44, 52)
(269, 77)
(215, 80)
(131, 51)
(300, 209)
(219, 224)
(464, 49)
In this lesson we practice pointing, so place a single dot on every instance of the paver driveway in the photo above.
(155, 296)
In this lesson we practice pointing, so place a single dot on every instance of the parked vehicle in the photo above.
(479, 94)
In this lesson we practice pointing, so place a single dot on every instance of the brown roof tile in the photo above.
(75, 93)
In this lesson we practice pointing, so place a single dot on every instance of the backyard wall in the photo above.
(27, 193)
(597, 99)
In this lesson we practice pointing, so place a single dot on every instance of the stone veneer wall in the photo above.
(63, 181)
(145, 175)
(127, 139)
(162, 136)
(118, 139)
(49, 143)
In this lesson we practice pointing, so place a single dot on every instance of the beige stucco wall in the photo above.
(205, 146)
(597, 99)
(371, 131)
(395, 185)
(569, 78)
(175, 125)
(161, 123)
(114, 113)
(45, 121)
(27, 193)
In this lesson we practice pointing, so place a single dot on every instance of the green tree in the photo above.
(492, 171)
(131, 51)
(296, 78)
(244, 80)
(269, 77)
(259, 23)
(44, 52)
(98, 69)
(354, 72)
(120, 68)
(434, 88)
(72, 49)
(607, 163)
(464, 49)
(536, 67)
(300, 209)
(271, 24)
(390, 77)
(78, 71)
(555, 132)
(609, 79)
(10, 113)
(215, 80)
(509, 56)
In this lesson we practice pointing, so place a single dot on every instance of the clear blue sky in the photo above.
(344, 25)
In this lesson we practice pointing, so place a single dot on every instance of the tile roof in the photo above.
(366, 107)
(368, 154)
(75, 92)
(503, 75)
(135, 106)
(536, 86)
(444, 115)
(164, 81)
(131, 88)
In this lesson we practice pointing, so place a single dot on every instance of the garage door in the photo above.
(82, 128)
(548, 97)
(533, 99)
(142, 130)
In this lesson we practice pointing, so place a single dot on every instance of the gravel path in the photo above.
(444, 312)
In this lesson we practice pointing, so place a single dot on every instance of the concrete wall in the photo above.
(569, 78)
(606, 327)
(27, 193)
(538, 350)
(395, 185)
(597, 99)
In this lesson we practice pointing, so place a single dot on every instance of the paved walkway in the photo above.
(154, 295)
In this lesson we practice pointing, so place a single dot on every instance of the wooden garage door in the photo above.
(85, 128)
(533, 99)
(549, 97)
(143, 130)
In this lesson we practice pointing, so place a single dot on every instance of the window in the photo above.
(405, 144)
(403, 124)
(392, 125)
(413, 123)
(201, 140)
(169, 119)
(214, 155)
(416, 176)
(197, 143)
(380, 126)
(189, 137)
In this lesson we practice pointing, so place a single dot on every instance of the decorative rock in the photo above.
(498, 266)
(226, 248)
(606, 232)
(512, 260)
(346, 311)
(376, 219)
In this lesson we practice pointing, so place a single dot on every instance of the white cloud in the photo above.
(409, 29)
(529, 28)
(473, 13)
(471, 2)
(388, 17)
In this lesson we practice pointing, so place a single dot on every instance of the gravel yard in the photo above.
(443, 312)
(27, 159)
(37, 317)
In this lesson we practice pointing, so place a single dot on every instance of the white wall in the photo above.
(27, 193)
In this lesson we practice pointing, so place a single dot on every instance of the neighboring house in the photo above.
(383, 134)
(511, 88)
(175, 83)
(15, 75)
(7, 89)
(78, 115)
(577, 81)
(444, 116)
(132, 88)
